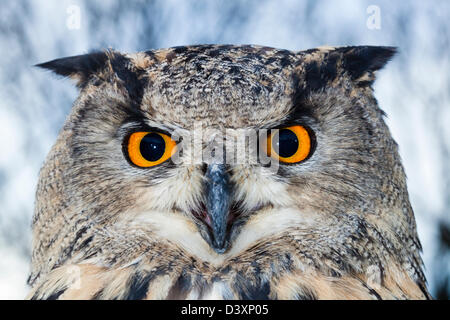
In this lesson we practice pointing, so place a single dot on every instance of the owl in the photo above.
(225, 172)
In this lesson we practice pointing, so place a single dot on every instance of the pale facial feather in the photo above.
(182, 232)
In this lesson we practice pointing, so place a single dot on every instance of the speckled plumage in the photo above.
(337, 226)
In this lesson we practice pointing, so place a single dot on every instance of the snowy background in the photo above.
(414, 89)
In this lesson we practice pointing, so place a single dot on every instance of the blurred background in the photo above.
(414, 89)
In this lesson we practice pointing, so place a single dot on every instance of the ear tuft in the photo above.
(363, 60)
(79, 67)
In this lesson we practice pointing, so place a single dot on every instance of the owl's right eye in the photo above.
(148, 149)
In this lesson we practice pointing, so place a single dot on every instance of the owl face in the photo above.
(217, 147)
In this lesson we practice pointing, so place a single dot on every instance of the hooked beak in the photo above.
(218, 203)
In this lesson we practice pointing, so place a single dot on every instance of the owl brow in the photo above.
(133, 80)
(166, 128)
(293, 118)
(300, 112)
(134, 125)
(288, 123)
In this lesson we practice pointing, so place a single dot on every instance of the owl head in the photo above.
(215, 149)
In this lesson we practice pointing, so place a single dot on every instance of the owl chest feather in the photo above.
(265, 266)
(239, 281)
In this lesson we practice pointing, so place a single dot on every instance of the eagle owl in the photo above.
(137, 199)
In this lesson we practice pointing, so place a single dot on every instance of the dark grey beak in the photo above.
(218, 201)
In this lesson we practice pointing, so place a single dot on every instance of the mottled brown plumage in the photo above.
(336, 226)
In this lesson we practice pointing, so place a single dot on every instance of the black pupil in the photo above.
(152, 147)
(287, 144)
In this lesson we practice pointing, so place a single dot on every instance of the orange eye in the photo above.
(289, 145)
(148, 149)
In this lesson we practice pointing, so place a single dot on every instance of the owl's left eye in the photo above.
(148, 149)
(289, 145)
